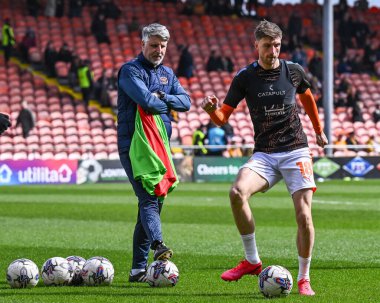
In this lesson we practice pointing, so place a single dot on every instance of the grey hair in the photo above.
(267, 29)
(155, 29)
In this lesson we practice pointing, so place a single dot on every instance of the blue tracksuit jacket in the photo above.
(137, 80)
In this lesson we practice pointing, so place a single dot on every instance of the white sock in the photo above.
(303, 268)
(136, 271)
(250, 248)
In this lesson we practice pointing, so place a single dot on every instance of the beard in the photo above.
(156, 60)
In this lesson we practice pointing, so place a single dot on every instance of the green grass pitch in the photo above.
(39, 222)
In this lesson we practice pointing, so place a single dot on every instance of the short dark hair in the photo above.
(267, 29)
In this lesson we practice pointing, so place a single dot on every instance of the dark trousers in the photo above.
(86, 93)
(148, 225)
(7, 53)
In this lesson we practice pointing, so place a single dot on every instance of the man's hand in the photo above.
(5, 123)
(322, 139)
(159, 94)
(210, 104)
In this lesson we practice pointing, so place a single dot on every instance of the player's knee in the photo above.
(236, 195)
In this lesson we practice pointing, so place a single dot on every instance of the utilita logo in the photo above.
(5, 174)
(45, 175)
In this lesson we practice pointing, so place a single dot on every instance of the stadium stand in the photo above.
(66, 128)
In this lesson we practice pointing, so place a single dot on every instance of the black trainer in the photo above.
(161, 252)
(140, 277)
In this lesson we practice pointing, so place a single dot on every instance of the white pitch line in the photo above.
(338, 202)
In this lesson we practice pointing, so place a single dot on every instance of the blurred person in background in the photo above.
(33, 7)
(28, 41)
(25, 119)
(199, 137)
(75, 8)
(7, 40)
(99, 28)
(50, 58)
(185, 63)
(86, 80)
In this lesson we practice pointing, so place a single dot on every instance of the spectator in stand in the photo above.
(362, 32)
(238, 7)
(33, 7)
(60, 8)
(65, 54)
(299, 56)
(107, 82)
(246, 151)
(294, 30)
(8, 40)
(340, 9)
(216, 136)
(315, 65)
(50, 58)
(344, 84)
(214, 62)
(86, 80)
(362, 4)
(5, 122)
(227, 64)
(186, 62)
(25, 119)
(340, 100)
(229, 131)
(99, 28)
(111, 10)
(219, 8)
(316, 86)
(234, 151)
(371, 55)
(73, 71)
(134, 26)
(374, 146)
(199, 137)
(344, 66)
(351, 140)
(252, 7)
(341, 143)
(50, 8)
(345, 33)
(188, 8)
(28, 41)
(353, 100)
(376, 113)
(75, 8)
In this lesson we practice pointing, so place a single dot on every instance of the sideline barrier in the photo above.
(189, 169)
(22, 172)
(215, 169)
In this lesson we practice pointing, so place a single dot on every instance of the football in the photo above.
(57, 271)
(76, 263)
(162, 273)
(98, 271)
(275, 281)
(22, 273)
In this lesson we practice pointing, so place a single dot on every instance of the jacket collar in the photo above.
(144, 61)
